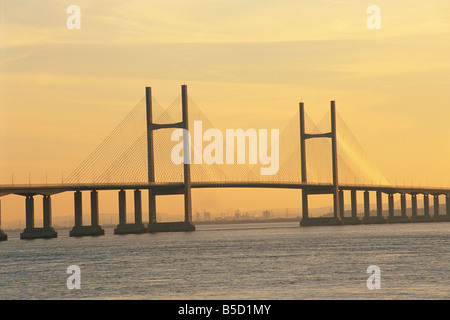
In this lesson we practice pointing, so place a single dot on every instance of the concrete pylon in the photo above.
(336, 219)
(334, 158)
(150, 156)
(187, 224)
(304, 177)
(186, 151)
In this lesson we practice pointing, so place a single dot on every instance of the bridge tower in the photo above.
(187, 224)
(338, 211)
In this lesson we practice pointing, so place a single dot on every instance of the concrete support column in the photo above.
(78, 208)
(426, 205)
(366, 204)
(122, 208)
(302, 141)
(29, 212)
(334, 158)
(137, 207)
(436, 205)
(354, 204)
(131, 228)
(303, 160)
(186, 155)
(392, 217)
(151, 207)
(94, 208)
(414, 205)
(150, 156)
(304, 204)
(426, 211)
(447, 204)
(341, 203)
(47, 208)
(79, 230)
(378, 219)
(379, 204)
(3, 236)
(403, 204)
(30, 232)
(391, 205)
(336, 206)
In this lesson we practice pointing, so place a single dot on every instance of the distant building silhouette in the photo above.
(266, 214)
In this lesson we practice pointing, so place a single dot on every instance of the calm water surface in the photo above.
(245, 261)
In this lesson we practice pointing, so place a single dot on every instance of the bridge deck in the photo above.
(50, 189)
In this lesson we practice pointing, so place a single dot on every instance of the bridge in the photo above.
(130, 153)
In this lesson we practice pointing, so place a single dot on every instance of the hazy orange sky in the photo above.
(246, 63)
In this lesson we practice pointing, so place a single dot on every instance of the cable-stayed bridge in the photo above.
(322, 158)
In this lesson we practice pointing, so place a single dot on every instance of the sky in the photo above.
(246, 63)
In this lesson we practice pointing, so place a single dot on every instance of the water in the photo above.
(241, 261)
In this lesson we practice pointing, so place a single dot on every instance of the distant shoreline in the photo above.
(211, 222)
(224, 221)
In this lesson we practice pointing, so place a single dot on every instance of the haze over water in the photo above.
(243, 261)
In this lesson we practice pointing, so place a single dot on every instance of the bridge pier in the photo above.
(426, 211)
(130, 228)
(3, 236)
(94, 208)
(426, 205)
(94, 229)
(354, 204)
(391, 204)
(379, 204)
(122, 207)
(305, 211)
(441, 217)
(151, 207)
(29, 212)
(354, 210)
(366, 205)
(392, 217)
(378, 219)
(445, 217)
(436, 205)
(30, 231)
(447, 204)
(413, 206)
(403, 204)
